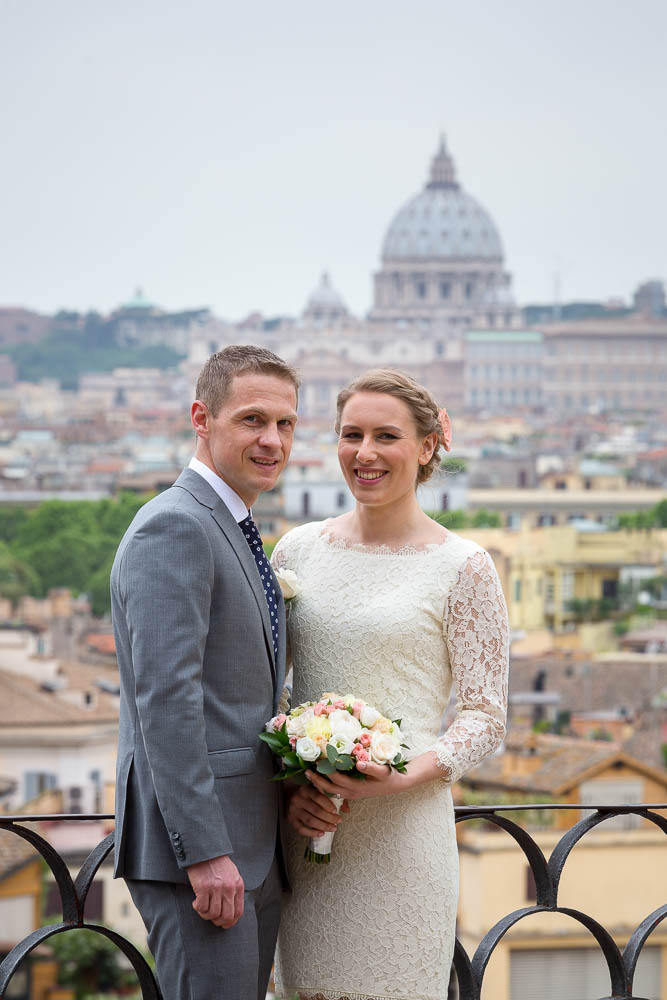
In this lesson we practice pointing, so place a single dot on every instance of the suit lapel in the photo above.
(204, 493)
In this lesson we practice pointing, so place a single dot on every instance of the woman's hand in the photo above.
(380, 780)
(311, 812)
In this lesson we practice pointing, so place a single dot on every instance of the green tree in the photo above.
(485, 519)
(455, 520)
(89, 963)
(16, 577)
(453, 465)
(11, 519)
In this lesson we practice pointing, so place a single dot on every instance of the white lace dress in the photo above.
(396, 628)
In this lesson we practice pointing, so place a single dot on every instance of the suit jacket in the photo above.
(198, 682)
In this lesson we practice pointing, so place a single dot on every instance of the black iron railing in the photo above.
(621, 965)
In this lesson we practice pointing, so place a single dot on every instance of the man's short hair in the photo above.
(215, 379)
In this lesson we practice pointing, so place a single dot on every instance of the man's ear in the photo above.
(199, 414)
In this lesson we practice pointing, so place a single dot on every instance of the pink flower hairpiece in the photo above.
(446, 426)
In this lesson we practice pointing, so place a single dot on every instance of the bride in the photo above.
(395, 609)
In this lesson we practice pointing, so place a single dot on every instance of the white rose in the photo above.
(396, 734)
(307, 749)
(344, 724)
(341, 743)
(369, 716)
(383, 748)
(269, 727)
(296, 726)
(289, 583)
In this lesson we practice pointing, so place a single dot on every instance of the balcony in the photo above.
(544, 873)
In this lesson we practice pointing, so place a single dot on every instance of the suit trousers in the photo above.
(194, 959)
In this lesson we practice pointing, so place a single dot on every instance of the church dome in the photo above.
(442, 221)
(324, 302)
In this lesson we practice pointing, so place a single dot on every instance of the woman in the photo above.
(393, 608)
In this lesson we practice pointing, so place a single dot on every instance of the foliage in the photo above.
(65, 544)
(530, 818)
(455, 520)
(459, 520)
(590, 609)
(17, 577)
(664, 753)
(644, 520)
(485, 519)
(453, 465)
(76, 346)
(89, 963)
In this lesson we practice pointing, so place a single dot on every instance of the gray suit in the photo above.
(198, 682)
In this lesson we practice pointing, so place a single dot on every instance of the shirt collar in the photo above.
(231, 500)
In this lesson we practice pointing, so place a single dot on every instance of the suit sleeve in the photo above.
(166, 585)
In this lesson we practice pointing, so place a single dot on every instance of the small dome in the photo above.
(442, 221)
(324, 302)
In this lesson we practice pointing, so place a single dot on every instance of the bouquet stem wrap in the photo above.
(319, 848)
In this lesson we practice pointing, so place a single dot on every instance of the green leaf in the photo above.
(299, 777)
(332, 754)
(292, 759)
(282, 776)
(397, 722)
(345, 762)
(325, 767)
(283, 735)
(273, 741)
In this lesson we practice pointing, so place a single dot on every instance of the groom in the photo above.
(200, 640)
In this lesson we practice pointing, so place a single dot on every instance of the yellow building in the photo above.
(544, 570)
(616, 874)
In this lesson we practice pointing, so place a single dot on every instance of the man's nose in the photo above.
(270, 436)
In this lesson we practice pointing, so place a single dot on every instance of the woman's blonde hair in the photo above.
(423, 407)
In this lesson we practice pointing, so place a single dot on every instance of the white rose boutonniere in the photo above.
(289, 583)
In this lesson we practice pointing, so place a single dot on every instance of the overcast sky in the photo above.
(223, 154)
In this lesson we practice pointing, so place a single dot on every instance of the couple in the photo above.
(390, 606)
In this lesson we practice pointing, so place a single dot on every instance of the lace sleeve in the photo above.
(477, 636)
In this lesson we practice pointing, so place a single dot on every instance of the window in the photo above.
(469, 288)
(445, 289)
(552, 973)
(444, 501)
(421, 289)
(38, 782)
(340, 500)
(305, 503)
(613, 792)
(517, 591)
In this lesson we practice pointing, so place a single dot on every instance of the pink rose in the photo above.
(280, 721)
(356, 708)
(330, 708)
(292, 742)
(360, 754)
(339, 703)
(365, 739)
(319, 709)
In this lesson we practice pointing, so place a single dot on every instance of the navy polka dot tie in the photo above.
(254, 540)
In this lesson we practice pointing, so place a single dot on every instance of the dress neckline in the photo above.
(343, 545)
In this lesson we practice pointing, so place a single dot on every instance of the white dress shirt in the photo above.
(231, 500)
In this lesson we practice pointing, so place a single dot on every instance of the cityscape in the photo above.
(559, 469)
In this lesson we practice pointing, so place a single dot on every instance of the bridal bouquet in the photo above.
(329, 735)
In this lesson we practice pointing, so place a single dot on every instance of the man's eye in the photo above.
(392, 437)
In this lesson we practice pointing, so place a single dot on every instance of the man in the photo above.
(200, 640)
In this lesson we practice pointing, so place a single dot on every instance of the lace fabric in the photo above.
(397, 628)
